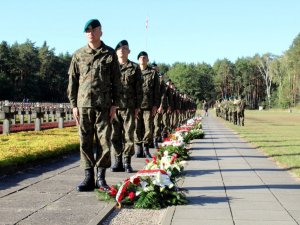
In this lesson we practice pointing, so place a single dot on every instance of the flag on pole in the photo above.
(147, 23)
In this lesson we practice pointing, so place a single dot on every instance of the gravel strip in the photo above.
(129, 216)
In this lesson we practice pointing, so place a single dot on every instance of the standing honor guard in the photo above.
(94, 93)
(149, 106)
(130, 103)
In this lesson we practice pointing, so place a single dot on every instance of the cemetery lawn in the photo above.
(276, 133)
(24, 148)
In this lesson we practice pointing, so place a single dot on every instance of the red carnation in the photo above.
(131, 196)
(136, 180)
(112, 191)
(154, 159)
(174, 157)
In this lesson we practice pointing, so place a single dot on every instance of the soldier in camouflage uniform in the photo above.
(217, 106)
(205, 107)
(149, 106)
(130, 103)
(168, 111)
(93, 91)
(158, 120)
(177, 102)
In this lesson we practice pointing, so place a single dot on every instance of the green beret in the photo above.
(142, 53)
(93, 22)
(121, 43)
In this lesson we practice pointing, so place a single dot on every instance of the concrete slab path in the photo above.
(46, 194)
(232, 183)
(229, 183)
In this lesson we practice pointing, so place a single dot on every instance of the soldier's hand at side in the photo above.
(169, 109)
(154, 110)
(112, 113)
(136, 113)
(76, 115)
(160, 110)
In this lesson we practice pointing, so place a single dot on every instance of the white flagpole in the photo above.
(147, 23)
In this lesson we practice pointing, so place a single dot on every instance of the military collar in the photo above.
(101, 49)
(147, 68)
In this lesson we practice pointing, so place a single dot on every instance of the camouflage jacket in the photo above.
(171, 98)
(163, 94)
(94, 78)
(151, 95)
(132, 89)
(177, 100)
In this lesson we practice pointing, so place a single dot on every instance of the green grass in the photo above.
(276, 133)
(23, 148)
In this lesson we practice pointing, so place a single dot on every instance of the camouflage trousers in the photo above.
(158, 125)
(166, 122)
(175, 119)
(122, 138)
(144, 127)
(94, 123)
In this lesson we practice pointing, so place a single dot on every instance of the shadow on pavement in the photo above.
(7, 181)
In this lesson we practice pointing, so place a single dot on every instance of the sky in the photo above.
(189, 31)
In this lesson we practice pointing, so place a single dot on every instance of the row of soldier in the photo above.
(232, 110)
(125, 105)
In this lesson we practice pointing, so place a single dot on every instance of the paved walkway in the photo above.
(232, 183)
(46, 194)
(229, 183)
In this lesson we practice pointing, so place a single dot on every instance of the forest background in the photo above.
(31, 72)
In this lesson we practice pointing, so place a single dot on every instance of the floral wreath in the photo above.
(154, 187)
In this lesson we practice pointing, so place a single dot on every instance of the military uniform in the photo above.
(124, 123)
(158, 120)
(151, 98)
(169, 115)
(177, 102)
(94, 86)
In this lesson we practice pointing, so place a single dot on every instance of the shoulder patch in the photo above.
(109, 59)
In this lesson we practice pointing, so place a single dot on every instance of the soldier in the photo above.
(93, 91)
(205, 107)
(168, 115)
(130, 103)
(176, 99)
(241, 113)
(158, 120)
(150, 103)
(218, 106)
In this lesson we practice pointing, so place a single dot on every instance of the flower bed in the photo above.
(154, 187)
(30, 127)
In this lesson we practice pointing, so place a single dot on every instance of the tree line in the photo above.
(34, 73)
(268, 80)
(264, 80)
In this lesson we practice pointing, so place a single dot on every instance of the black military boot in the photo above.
(151, 145)
(118, 166)
(127, 164)
(100, 182)
(139, 151)
(88, 184)
(164, 135)
(156, 142)
(146, 151)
